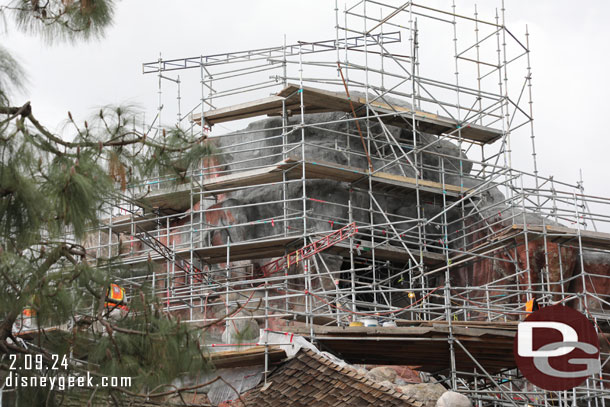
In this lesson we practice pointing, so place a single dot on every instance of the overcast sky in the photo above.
(569, 43)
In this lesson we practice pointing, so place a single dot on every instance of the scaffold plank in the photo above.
(395, 254)
(173, 199)
(565, 236)
(318, 100)
(278, 247)
(423, 346)
(270, 248)
(251, 250)
(178, 199)
(243, 110)
(259, 249)
(123, 223)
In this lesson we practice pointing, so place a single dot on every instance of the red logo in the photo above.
(556, 348)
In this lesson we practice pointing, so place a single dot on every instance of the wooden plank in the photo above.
(425, 347)
(241, 111)
(178, 198)
(332, 101)
(246, 357)
(122, 224)
(396, 254)
(265, 175)
(564, 235)
(345, 173)
(495, 325)
(437, 327)
(428, 185)
(319, 100)
(259, 249)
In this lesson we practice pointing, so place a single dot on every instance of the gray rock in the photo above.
(325, 143)
(362, 371)
(387, 384)
(453, 399)
(427, 393)
(382, 374)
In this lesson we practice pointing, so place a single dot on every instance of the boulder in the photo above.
(426, 393)
(453, 399)
(361, 370)
(404, 374)
(382, 373)
(387, 384)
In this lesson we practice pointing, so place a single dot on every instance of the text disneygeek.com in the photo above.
(64, 382)
(30, 371)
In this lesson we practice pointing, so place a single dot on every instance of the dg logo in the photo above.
(556, 348)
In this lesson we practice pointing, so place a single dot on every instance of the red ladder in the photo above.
(306, 252)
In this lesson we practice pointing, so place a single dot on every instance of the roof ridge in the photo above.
(357, 376)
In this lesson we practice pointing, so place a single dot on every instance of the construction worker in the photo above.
(28, 319)
(532, 305)
(115, 299)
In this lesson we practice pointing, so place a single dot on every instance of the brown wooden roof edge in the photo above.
(246, 357)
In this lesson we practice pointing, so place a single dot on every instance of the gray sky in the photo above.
(569, 46)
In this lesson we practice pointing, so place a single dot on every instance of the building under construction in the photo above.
(369, 186)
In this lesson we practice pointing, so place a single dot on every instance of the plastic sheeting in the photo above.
(291, 344)
(241, 378)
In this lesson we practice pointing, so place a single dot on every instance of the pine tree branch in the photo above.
(118, 140)
(10, 282)
(24, 110)
(6, 331)
(169, 393)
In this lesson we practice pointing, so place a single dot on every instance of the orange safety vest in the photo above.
(115, 294)
(112, 306)
(532, 305)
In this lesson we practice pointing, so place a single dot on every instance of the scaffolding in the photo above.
(362, 132)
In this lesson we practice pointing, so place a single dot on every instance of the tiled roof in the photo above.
(312, 380)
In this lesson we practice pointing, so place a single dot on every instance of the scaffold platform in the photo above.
(320, 101)
(424, 347)
(178, 198)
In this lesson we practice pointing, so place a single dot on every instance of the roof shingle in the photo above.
(311, 380)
